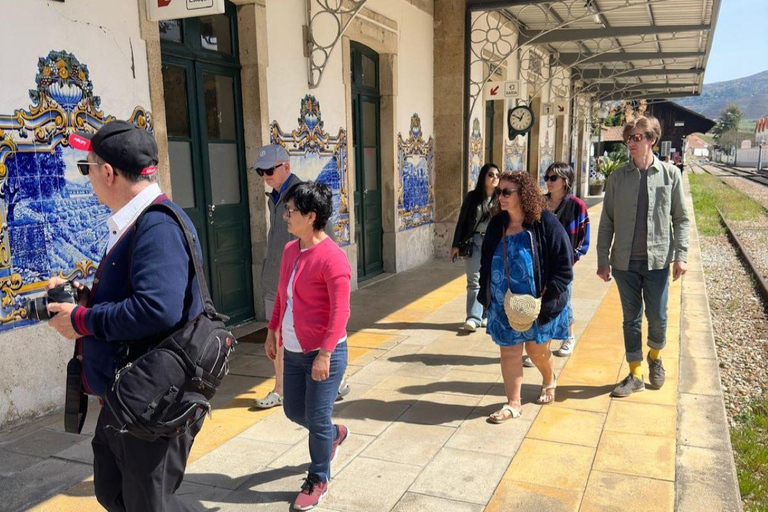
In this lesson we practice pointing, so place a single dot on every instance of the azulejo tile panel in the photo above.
(415, 163)
(475, 153)
(545, 159)
(515, 153)
(316, 155)
(52, 224)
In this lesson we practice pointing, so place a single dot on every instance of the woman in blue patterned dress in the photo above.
(525, 250)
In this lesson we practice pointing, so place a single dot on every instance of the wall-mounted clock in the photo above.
(519, 120)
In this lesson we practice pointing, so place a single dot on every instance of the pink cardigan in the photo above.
(320, 294)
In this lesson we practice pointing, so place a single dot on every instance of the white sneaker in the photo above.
(484, 323)
(527, 362)
(470, 326)
(566, 348)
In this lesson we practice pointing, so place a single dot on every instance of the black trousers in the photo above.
(133, 475)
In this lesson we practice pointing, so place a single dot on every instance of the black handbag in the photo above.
(166, 390)
(466, 246)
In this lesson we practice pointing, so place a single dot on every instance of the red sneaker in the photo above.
(312, 491)
(343, 433)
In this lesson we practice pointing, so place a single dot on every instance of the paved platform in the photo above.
(421, 393)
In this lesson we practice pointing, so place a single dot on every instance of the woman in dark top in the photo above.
(572, 214)
(525, 251)
(476, 211)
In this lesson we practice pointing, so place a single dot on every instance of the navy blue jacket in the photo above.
(126, 312)
(552, 261)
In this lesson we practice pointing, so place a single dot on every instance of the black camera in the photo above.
(37, 306)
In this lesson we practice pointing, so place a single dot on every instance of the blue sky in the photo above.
(740, 47)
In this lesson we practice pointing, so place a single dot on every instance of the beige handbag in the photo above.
(521, 309)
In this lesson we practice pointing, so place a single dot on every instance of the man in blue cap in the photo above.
(274, 165)
(144, 289)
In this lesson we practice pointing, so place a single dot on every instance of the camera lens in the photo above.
(37, 308)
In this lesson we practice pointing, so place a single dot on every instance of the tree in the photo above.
(726, 131)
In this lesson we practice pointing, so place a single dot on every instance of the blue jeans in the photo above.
(637, 285)
(310, 403)
(474, 308)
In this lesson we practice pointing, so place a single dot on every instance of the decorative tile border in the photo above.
(475, 153)
(316, 155)
(415, 163)
(515, 153)
(545, 159)
(52, 223)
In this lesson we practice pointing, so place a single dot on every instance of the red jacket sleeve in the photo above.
(337, 279)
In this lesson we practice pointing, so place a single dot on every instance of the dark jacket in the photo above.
(552, 264)
(465, 226)
(158, 296)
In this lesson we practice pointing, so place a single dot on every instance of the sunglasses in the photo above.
(84, 166)
(492, 175)
(635, 137)
(506, 192)
(552, 177)
(268, 172)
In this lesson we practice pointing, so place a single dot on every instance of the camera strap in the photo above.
(75, 400)
(205, 296)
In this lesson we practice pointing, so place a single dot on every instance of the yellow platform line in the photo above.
(235, 417)
(588, 451)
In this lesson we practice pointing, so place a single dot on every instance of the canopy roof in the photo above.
(619, 49)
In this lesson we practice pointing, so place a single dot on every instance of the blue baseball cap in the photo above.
(271, 156)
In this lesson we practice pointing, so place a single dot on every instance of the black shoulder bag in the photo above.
(466, 247)
(166, 390)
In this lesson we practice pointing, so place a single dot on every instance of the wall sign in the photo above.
(160, 10)
(493, 91)
(500, 90)
(512, 89)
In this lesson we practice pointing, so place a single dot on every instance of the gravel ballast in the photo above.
(738, 311)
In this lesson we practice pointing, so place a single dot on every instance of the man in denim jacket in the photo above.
(643, 229)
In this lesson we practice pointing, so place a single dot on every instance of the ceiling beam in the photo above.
(570, 59)
(476, 5)
(581, 34)
(598, 74)
(629, 88)
(642, 95)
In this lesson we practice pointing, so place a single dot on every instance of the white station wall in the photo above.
(287, 85)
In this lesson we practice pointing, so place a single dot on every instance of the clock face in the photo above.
(520, 119)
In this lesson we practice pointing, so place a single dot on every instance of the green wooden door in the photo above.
(367, 155)
(201, 76)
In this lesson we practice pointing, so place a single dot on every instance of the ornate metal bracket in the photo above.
(332, 19)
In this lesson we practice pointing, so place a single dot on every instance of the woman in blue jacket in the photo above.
(527, 251)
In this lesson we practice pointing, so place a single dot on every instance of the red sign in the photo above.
(494, 91)
(163, 3)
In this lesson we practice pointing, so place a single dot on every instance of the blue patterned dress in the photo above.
(520, 260)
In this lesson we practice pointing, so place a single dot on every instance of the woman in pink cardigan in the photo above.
(310, 321)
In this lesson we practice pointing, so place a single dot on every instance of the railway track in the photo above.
(754, 263)
(755, 176)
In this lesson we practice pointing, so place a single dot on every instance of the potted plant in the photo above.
(596, 185)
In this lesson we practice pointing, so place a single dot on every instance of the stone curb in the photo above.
(705, 476)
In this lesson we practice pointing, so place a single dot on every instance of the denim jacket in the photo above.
(667, 217)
